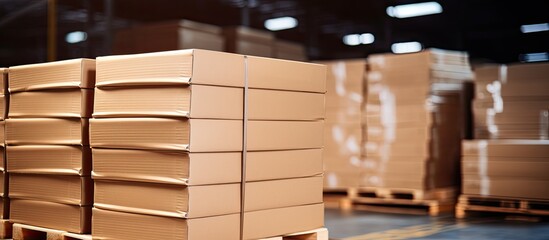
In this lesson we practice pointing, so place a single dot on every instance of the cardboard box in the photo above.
(424, 59)
(172, 167)
(289, 51)
(248, 41)
(337, 179)
(170, 101)
(168, 200)
(3, 106)
(281, 221)
(50, 159)
(74, 103)
(3, 133)
(3, 159)
(130, 226)
(60, 131)
(64, 217)
(284, 105)
(507, 148)
(506, 187)
(284, 135)
(3, 184)
(272, 194)
(271, 165)
(64, 189)
(4, 208)
(75, 73)
(3, 80)
(194, 135)
(511, 167)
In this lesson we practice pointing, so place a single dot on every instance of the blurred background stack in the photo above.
(5, 201)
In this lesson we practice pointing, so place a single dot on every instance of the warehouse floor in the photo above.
(361, 225)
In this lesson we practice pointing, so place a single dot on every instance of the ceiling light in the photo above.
(357, 39)
(414, 10)
(276, 24)
(406, 47)
(76, 37)
(534, 57)
(540, 27)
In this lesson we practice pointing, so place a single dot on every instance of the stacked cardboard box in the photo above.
(171, 35)
(289, 50)
(4, 99)
(413, 119)
(48, 157)
(195, 144)
(512, 102)
(343, 129)
(511, 115)
(248, 41)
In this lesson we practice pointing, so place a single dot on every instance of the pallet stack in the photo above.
(413, 128)
(48, 157)
(4, 199)
(195, 144)
(504, 169)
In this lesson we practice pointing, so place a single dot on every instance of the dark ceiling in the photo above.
(488, 29)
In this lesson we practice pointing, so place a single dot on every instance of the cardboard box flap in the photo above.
(58, 131)
(64, 189)
(196, 101)
(263, 195)
(75, 73)
(50, 159)
(268, 73)
(60, 103)
(171, 67)
(128, 226)
(194, 135)
(284, 135)
(166, 199)
(70, 218)
(171, 167)
(281, 221)
(269, 165)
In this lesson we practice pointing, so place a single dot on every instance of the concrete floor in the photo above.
(361, 225)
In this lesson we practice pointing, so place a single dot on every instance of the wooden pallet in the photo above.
(27, 232)
(5, 228)
(469, 205)
(339, 198)
(316, 234)
(406, 201)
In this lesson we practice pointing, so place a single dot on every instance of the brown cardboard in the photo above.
(270, 165)
(170, 101)
(289, 51)
(345, 83)
(4, 208)
(4, 184)
(248, 41)
(268, 73)
(284, 105)
(507, 148)
(284, 135)
(173, 167)
(179, 67)
(75, 73)
(50, 159)
(194, 135)
(71, 218)
(47, 131)
(167, 200)
(417, 60)
(75, 103)
(282, 193)
(130, 226)
(280, 221)
(3, 106)
(3, 80)
(3, 133)
(64, 189)
(512, 167)
(506, 187)
(3, 159)
(338, 179)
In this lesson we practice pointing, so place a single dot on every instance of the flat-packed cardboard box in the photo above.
(3, 80)
(64, 217)
(506, 187)
(64, 189)
(426, 59)
(511, 167)
(75, 73)
(284, 105)
(76, 103)
(170, 101)
(271, 165)
(3, 106)
(281, 221)
(3, 133)
(171, 167)
(345, 83)
(515, 80)
(248, 41)
(284, 135)
(131, 226)
(40, 131)
(4, 207)
(289, 50)
(171, 35)
(342, 179)
(263, 195)
(50, 159)
(3, 163)
(169, 200)
(194, 135)
(516, 148)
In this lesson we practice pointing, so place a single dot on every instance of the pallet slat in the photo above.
(316, 234)
(27, 232)
(339, 198)
(471, 203)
